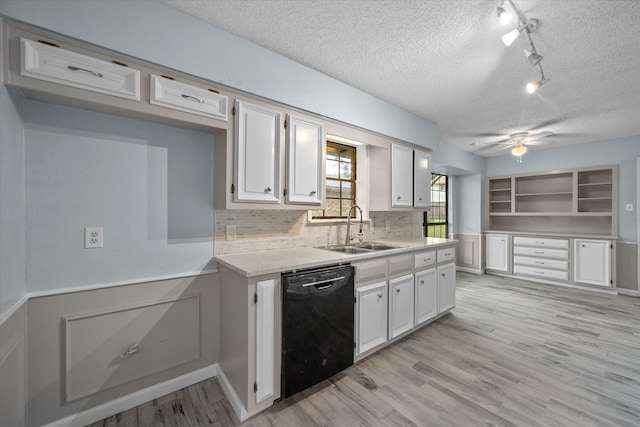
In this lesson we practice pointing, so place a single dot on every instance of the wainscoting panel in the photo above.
(109, 348)
(469, 252)
(12, 370)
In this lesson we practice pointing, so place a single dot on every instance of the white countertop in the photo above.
(568, 235)
(276, 261)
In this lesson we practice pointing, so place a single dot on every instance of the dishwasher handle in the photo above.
(320, 282)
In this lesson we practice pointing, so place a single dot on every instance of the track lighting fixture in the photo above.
(503, 15)
(533, 56)
(526, 26)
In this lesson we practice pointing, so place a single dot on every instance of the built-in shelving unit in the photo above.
(582, 201)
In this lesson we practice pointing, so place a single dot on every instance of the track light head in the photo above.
(533, 57)
(503, 15)
(510, 37)
(533, 86)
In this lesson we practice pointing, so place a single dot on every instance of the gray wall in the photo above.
(12, 202)
(157, 33)
(149, 186)
(622, 152)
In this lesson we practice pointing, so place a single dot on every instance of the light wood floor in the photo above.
(512, 353)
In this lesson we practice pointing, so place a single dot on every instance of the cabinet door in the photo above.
(401, 176)
(446, 287)
(426, 295)
(401, 305)
(421, 179)
(592, 262)
(257, 154)
(265, 339)
(305, 157)
(371, 316)
(497, 252)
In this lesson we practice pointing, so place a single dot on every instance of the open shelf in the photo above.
(571, 201)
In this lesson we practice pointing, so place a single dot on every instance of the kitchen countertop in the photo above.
(276, 261)
(568, 235)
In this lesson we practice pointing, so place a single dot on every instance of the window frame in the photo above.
(432, 225)
(352, 181)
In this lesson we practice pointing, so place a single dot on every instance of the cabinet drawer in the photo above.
(446, 254)
(541, 263)
(424, 258)
(540, 252)
(541, 242)
(190, 99)
(401, 264)
(541, 272)
(56, 65)
(371, 270)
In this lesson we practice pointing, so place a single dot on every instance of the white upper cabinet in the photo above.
(305, 158)
(257, 153)
(592, 264)
(188, 98)
(53, 64)
(497, 252)
(421, 179)
(401, 176)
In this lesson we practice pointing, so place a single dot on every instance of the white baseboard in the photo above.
(228, 391)
(137, 398)
(469, 270)
(628, 292)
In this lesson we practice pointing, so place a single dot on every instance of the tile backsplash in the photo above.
(262, 230)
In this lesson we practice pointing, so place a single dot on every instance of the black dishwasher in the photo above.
(317, 326)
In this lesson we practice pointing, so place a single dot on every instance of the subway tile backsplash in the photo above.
(262, 230)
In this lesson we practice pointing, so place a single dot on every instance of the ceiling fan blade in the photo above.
(545, 142)
(539, 135)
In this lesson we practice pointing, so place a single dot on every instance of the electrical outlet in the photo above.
(387, 225)
(93, 237)
(231, 232)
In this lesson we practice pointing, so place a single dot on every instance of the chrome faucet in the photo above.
(348, 238)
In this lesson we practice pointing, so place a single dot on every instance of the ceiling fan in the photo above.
(518, 142)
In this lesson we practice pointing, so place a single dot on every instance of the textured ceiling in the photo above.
(444, 60)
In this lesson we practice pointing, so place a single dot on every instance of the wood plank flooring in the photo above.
(512, 353)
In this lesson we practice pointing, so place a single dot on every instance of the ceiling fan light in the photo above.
(510, 37)
(503, 15)
(533, 57)
(519, 150)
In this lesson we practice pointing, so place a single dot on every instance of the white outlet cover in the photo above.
(629, 207)
(93, 237)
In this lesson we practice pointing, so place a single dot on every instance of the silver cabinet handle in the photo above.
(398, 198)
(422, 282)
(539, 272)
(539, 252)
(444, 275)
(420, 198)
(539, 243)
(397, 291)
(268, 190)
(133, 349)
(195, 98)
(379, 296)
(72, 68)
(313, 193)
(539, 262)
(584, 246)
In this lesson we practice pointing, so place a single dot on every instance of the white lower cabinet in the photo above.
(446, 287)
(592, 262)
(497, 252)
(371, 316)
(426, 304)
(401, 305)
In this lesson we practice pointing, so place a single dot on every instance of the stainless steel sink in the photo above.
(359, 248)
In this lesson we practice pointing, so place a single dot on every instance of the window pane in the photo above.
(332, 153)
(345, 170)
(333, 169)
(333, 188)
(332, 208)
(346, 154)
(347, 192)
(346, 204)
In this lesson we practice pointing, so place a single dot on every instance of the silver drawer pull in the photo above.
(379, 296)
(133, 349)
(422, 282)
(539, 262)
(72, 68)
(398, 198)
(195, 98)
(539, 272)
(397, 291)
(313, 193)
(268, 190)
(539, 243)
(539, 252)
